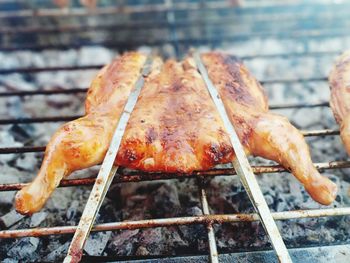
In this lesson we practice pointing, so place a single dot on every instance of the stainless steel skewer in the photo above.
(245, 171)
(105, 175)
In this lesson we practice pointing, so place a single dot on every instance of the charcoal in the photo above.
(24, 248)
(10, 219)
(10, 260)
(153, 240)
(15, 82)
(96, 243)
(25, 162)
(122, 242)
(194, 211)
(72, 210)
(102, 55)
(142, 251)
(37, 218)
(9, 175)
(7, 140)
(58, 253)
(21, 132)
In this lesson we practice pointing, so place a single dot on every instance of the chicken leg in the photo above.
(276, 139)
(262, 133)
(83, 142)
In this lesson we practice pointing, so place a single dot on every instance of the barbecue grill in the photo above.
(171, 29)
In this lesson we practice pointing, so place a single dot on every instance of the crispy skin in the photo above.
(174, 127)
(339, 81)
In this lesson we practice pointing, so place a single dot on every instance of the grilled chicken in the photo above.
(174, 127)
(339, 81)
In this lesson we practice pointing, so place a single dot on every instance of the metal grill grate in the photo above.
(205, 219)
(169, 8)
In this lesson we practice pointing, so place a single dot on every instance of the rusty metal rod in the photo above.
(69, 118)
(228, 21)
(28, 149)
(123, 44)
(213, 252)
(299, 105)
(82, 90)
(89, 67)
(325, 132)
(167, 222)
(292, 54)
(296, 80)
(23, 149)
(38, 119)
(137, 176)
(110, 10)
(48, 69)
(43, 92)
(130, 9)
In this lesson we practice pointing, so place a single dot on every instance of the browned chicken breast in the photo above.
(174, 127)
(339, 81)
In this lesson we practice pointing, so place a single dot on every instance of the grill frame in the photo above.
(206, 219)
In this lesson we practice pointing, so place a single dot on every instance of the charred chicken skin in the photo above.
(174, 127)
(339, 81)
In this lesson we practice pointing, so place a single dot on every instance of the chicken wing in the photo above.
(174, 127)
(339, 80)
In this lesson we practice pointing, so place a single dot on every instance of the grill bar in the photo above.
(214, 256)
(82, 90)
(296, 80)
(48, 69)
(72, 117)
(38, 119)
(98, 66)
(138, 176)
(43, 92)
(187, 41)
(149, 8)
(24, 149)
(299, 105)
(228, 21)
(166, 222)
(325, 132)
(152, 8)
